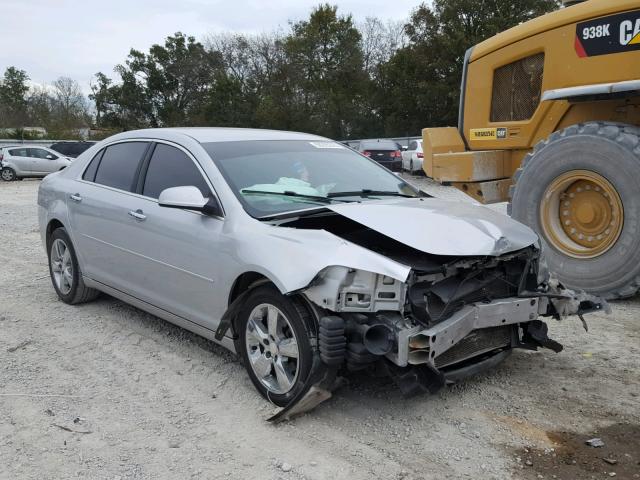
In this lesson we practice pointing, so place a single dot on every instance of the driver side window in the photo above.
(171, 167)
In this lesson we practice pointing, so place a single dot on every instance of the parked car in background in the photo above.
(301, 255)
(71, 149)
(386, 152)
(22, 161)
(412, 157)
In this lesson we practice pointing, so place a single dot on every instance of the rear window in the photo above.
(119, 165)
(381, 145)
(60, 147)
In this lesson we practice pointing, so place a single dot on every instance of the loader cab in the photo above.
(514, 82)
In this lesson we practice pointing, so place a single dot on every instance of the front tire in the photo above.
(275, 335)
(8, 174)
(64, 270)
(579, 191)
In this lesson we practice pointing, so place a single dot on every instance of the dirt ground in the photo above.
(106, 391)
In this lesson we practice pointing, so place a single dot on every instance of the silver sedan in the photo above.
(306, 258)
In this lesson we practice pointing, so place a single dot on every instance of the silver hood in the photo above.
(441, 227)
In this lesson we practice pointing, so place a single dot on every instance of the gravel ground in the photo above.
(106, 391)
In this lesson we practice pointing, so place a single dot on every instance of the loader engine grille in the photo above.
(516, 89)
(475, 343)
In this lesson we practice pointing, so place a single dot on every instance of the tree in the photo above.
(165, 86)
(419, 84)
(324, 75)
(379, 42)
(326, 62)
(69, 105)
(248, 62)
(13, 98)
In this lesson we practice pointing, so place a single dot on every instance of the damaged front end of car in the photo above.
(452, 318)
(425, 290)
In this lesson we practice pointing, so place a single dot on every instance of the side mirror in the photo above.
(405, 148)
(50, 157)
(189, 198)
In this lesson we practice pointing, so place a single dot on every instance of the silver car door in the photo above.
(172, 253)
(98, 205)
(40, 163)
(21, 160)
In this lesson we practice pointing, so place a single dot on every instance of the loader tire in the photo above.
(580, 191)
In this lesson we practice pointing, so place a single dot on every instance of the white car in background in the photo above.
(412, 157)
(22, 161)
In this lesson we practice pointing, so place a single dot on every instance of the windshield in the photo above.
(270, 177)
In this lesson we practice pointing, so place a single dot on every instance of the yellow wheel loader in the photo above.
(550, 121)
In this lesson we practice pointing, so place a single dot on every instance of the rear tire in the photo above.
(590, 174)
(8, 174)
(268, 353)
(64, 270)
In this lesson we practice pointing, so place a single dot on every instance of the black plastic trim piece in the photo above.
(143, 166)
(455, 375)
(463, 87)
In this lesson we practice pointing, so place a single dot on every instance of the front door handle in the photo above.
(137, 214)
(76, 197)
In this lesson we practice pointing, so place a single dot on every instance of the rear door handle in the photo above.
(76, 197)
(137, 214)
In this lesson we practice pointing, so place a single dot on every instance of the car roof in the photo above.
(217, 134)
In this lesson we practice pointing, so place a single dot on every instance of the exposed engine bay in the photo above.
(453, 317)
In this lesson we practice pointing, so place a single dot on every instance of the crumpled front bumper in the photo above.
(477, 337)
(424, 346)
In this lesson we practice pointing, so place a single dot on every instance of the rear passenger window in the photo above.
(18, 152)
(119, 164)
(171, 167)
(90, 173)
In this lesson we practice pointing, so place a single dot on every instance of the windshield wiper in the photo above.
(365, 192)
(289, 193)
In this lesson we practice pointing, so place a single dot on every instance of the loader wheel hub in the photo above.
(582, 214)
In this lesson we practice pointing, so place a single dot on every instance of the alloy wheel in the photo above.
(272, 348)
(61, 266)
(7, 175)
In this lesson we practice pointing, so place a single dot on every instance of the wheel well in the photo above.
(244, 282)
(53, 224)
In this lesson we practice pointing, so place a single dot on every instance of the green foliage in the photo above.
(324, 75)
(60, 108)
(13, 101)
(326, 65)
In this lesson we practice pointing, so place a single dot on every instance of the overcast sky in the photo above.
(51, 38)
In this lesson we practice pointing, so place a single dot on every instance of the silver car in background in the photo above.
(413, 157)
(301, 255)
(25, 161)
